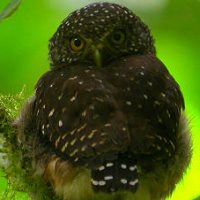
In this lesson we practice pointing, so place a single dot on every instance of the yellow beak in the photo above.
(97, 57)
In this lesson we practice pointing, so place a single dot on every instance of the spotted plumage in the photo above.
(95, 23)
(108, 112)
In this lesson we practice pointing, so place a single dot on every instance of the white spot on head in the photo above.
(132, 79)
(73, 153)
(159, 137)
(145, 96)
(92, 134)
(168, 114)
(142, 73)
(73, 99)
(87, 70)
(82, 138)
(149, 83)
(133, 182)
(101, 168)
(72, 78)
(60, 97)
(124, 129)
(123, 181)
(103, 134)
(76, 159)
(94, 182)
(84, 113)
(100, 81)
(156, 103)
(73, 142)
(43, 106)
(128, 103)
(94, 144)
(43, 129)
(102, 183)
(84, 148)
(38, 111)
(123, 166)
(109, 164)
(51, 112)
(64, 146)
(57, 141)
(107, 125)
(163, 94)
(72, 132)
(132, 168)
(123, 75)
(107, 178)
(82, 127)
(60, 123)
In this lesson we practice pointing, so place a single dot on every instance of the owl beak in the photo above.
(98, 57)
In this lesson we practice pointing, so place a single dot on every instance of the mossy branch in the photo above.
(10, 153)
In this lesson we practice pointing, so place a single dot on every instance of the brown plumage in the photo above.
(107, 121)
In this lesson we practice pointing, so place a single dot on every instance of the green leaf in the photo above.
(10, 9)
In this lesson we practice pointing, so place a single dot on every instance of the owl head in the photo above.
(98, 34)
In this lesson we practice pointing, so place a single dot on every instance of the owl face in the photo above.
(98, 34)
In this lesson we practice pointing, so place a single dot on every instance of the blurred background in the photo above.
(175, 25)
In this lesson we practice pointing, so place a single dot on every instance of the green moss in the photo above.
(11, 154)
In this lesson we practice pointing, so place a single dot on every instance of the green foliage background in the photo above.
(176, 28)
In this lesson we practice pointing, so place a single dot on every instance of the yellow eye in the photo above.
(118, 37)
(77, 43)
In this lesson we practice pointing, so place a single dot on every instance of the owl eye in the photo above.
(118, 37)
(77, 43)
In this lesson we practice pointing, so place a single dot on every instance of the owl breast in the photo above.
(90, 114)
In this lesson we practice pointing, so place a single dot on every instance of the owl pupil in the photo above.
(77, 42)
(117, 37)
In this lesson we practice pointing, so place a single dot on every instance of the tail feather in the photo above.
(117, 175)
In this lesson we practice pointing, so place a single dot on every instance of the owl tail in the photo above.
(117, 175)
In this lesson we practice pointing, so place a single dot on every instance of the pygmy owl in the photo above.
(107, 120)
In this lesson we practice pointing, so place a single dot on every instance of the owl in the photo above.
(107, 120)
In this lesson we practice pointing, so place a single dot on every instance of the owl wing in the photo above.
(153, 104)
(76, 112)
